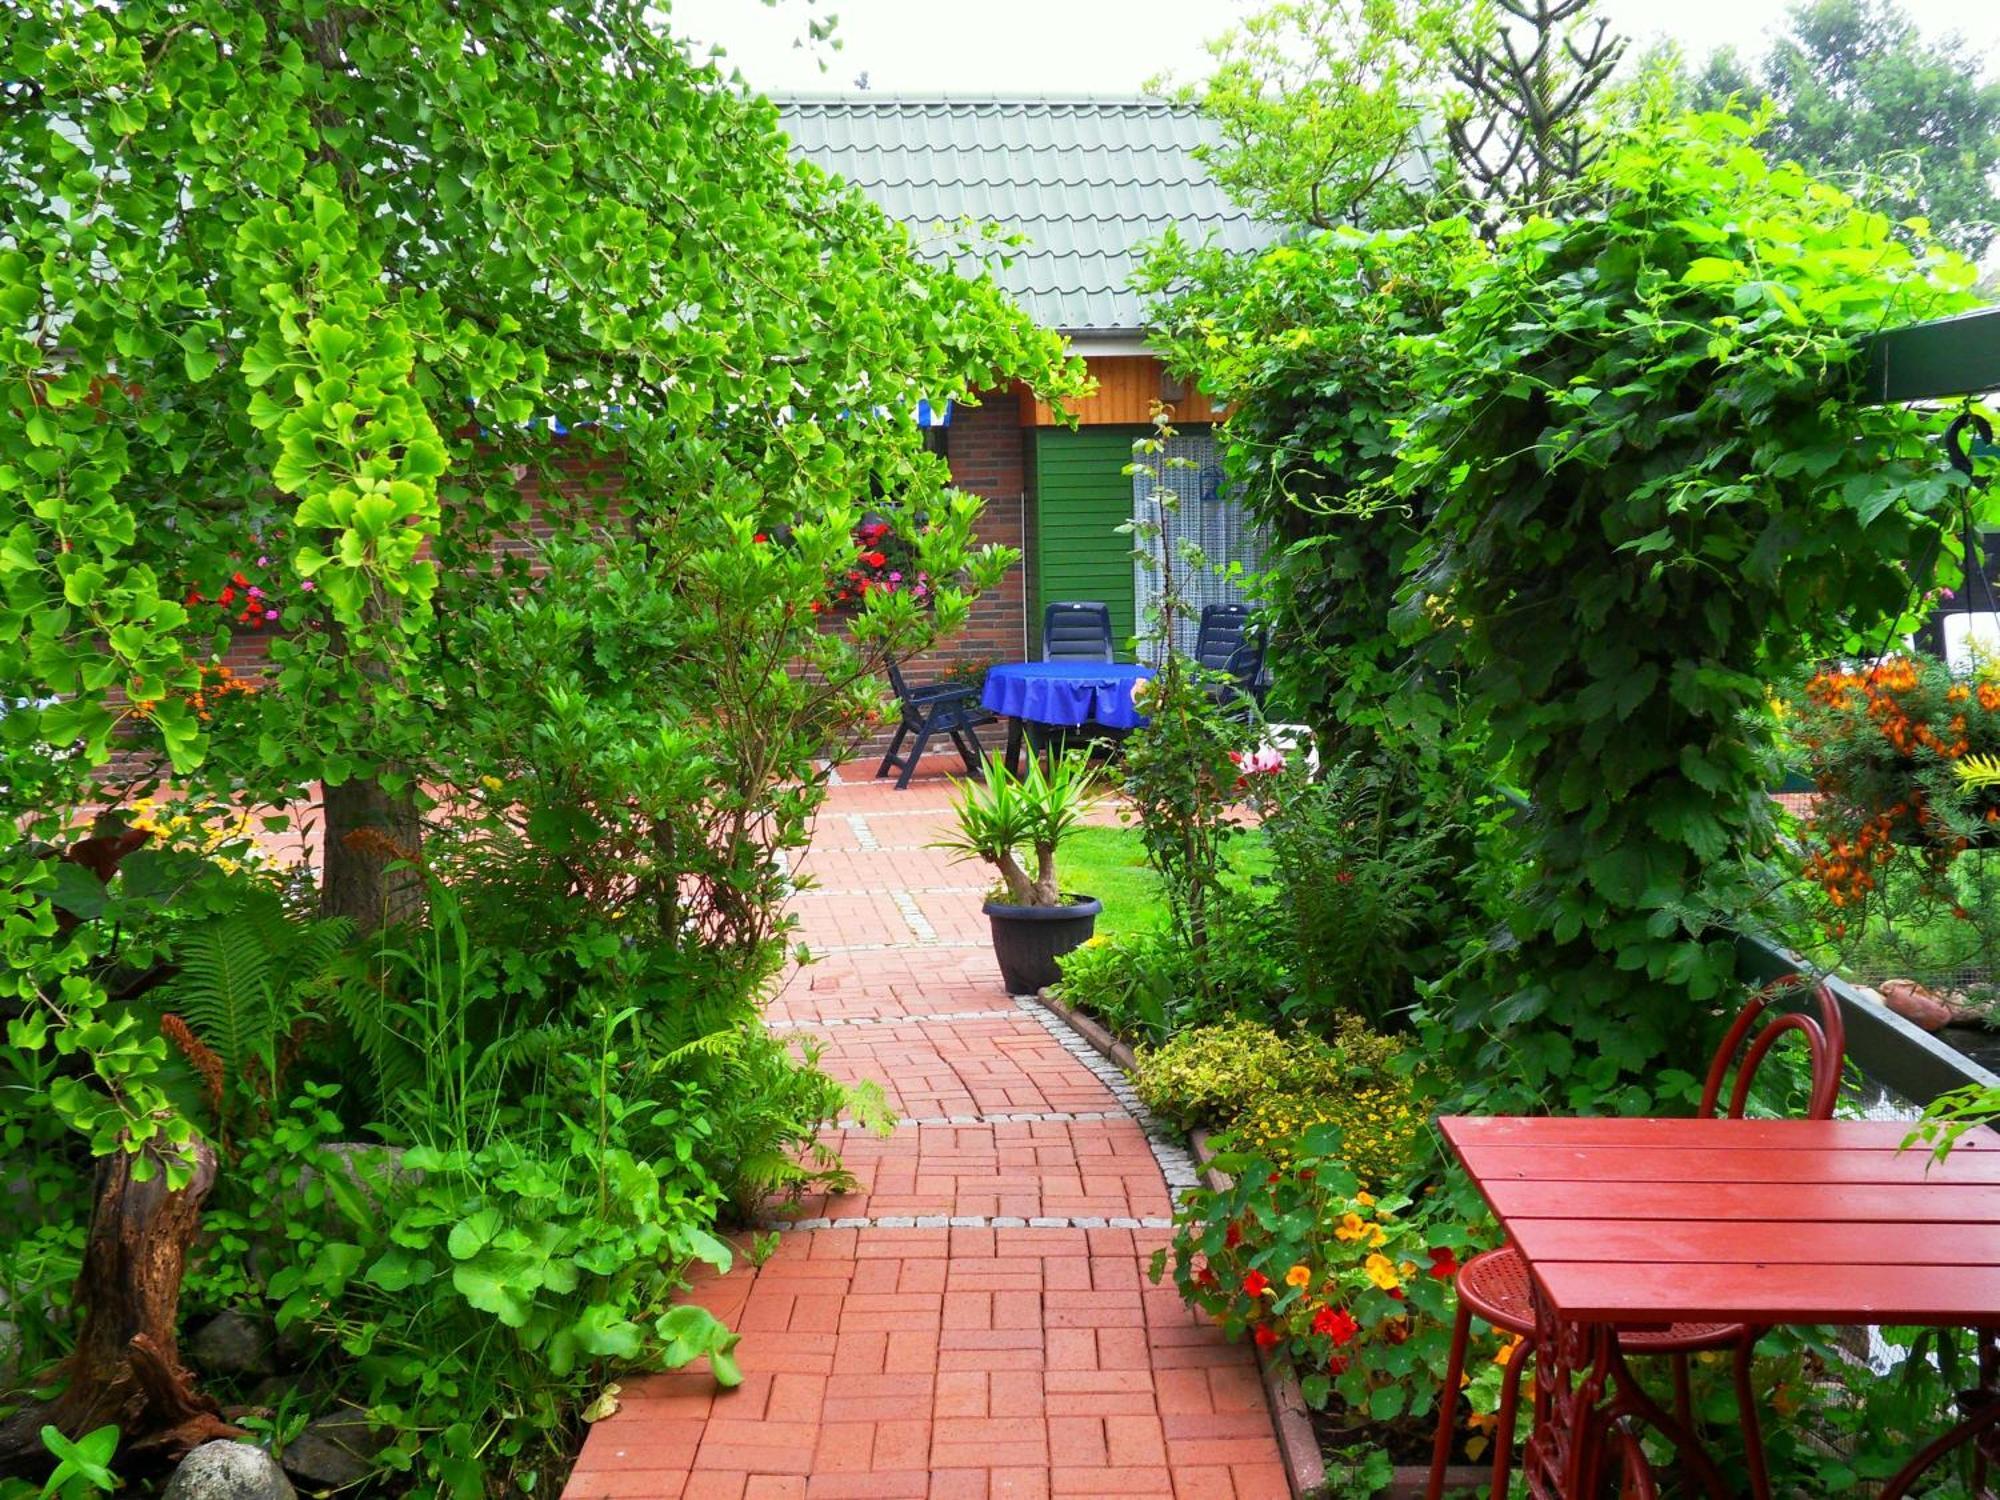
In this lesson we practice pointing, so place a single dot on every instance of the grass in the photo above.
(1110, 864)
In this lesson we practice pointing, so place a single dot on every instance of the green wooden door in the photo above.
(1082, 497)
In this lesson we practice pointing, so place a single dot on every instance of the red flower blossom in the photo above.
(1233, 1235)
(760, 537)
(1337, 1365)
(874, 559)
(1266, 1336)
(1336, 1324)
(1256, 1284)
(1205, 1278)
(1444, 1264)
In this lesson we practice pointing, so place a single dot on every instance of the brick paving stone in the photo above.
(976, 1361)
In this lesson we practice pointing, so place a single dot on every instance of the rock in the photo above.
(1916, 1004)
(336, 1450)
(229, 1471)
(235, 1343)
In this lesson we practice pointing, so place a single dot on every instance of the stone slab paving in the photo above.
(974, 1320)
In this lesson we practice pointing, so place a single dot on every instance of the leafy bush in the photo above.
(1144, 986)
(1371, 886)
(1383, 1129)
(1265, 1090)
(1355, 1289)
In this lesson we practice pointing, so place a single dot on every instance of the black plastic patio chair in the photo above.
(1077, 631)
(1224, 629)
(949, 708)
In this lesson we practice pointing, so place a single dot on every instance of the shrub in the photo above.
(1144, 985)
(1267, 1090)
(1382, 1127)
(1204, 1075)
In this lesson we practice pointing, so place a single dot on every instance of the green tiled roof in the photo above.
(1088, 182)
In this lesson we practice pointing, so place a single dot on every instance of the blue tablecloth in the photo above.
(1066, 692)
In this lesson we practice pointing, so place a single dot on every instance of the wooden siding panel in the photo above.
(1128, 388)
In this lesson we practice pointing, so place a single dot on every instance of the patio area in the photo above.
(974, 1320)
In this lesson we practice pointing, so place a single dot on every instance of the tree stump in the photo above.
(126, 1367)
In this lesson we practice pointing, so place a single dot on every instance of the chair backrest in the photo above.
(1223, 628)
(1825, 1035)
(896, 683)
(1076, 631)
(1245, 665)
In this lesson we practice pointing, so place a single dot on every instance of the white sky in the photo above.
(1114, 46)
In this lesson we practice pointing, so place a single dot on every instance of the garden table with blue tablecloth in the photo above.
(1063, 695)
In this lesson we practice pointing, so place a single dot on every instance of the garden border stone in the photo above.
(1305, 1470)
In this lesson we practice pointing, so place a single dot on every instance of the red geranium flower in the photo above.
(1256, 1283)
(1336, 1324)
(1266, 1336)
(1444, 1264)
(874, 559)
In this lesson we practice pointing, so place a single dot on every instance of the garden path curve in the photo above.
(974, 1320)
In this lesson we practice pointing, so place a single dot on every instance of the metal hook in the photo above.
(1958, 452)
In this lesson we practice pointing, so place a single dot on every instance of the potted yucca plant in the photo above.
(1017, 824)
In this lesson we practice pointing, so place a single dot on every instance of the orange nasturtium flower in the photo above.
(1382, 1271)
(1300, 1275)
(1352, 1227)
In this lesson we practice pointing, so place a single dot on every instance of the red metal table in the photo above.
(1634, 1222)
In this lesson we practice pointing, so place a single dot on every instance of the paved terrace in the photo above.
(974, 1320)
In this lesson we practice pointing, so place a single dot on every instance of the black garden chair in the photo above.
(1224, 630)
(950, 708)
(1077, 631)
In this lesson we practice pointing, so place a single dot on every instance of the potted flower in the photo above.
(1017, 824)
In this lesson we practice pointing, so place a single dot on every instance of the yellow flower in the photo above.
(1376, 1238)
(1507, 1351)
(1299, 1276)
(1353, 1228)
(491, 783)
(1382, 1271)
(1366, 1200)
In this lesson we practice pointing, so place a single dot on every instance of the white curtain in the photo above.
(1207, 514)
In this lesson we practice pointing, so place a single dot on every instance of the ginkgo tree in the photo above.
(501, 365)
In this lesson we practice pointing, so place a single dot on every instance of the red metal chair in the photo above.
(1495, 1286)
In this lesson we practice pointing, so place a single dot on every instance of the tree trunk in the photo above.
(367, 830)
(126, 1369)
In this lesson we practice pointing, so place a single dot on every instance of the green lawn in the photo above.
(1110, 864)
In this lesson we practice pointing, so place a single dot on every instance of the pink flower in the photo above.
(270, 614)
(307, 584)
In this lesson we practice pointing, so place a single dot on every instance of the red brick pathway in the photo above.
(974, 1320)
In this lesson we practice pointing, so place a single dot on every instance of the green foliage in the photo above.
(1860, 95)
(242, 984)
(83, 1467)
(1522, 125)
(1320, 106)
(1146, 985)
(1370, 876)
(1001, 814)
(1354, 1289)
(269, 291)
(1660, 486)
(1266, 1090)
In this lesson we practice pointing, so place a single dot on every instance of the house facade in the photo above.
(1087, 184)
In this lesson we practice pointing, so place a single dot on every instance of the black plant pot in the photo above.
(1029, 939)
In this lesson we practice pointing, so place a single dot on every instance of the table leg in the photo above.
(1014, 746)
(1577, 1367)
